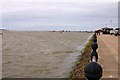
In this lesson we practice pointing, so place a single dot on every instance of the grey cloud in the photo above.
(83, 14)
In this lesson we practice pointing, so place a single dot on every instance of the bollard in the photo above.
(94, 36)
(94, 46)
(93, 71)
(95, 40)
(94, 54)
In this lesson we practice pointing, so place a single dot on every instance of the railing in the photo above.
(93, 70)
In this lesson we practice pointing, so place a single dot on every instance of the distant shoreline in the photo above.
(48, 30)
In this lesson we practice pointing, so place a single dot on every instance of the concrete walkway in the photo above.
(108, 55)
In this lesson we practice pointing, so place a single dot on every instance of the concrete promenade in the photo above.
(108, 55)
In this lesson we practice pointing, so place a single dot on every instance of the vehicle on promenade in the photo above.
(117, 32)
(112, 32)
(106, 30)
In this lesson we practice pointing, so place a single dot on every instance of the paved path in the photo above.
(108, 55)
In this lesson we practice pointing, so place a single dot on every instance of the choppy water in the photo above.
(40, 54)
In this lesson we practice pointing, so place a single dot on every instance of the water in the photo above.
(34, 54)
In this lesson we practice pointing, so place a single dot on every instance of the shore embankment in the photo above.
(83, 59)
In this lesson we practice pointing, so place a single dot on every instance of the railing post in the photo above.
(94, 55)
(94, 39)
(93, 70)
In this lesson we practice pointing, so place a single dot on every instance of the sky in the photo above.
(79, 15)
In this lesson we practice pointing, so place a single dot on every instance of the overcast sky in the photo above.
(58, 15)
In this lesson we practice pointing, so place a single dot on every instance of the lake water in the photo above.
(35, 54)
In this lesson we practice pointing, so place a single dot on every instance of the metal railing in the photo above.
(93, 70)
